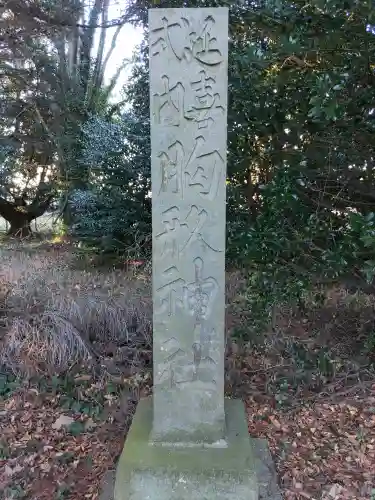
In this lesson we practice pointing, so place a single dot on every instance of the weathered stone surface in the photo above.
(263, 465)
(188, 101)
(107, 490)
(265, 471)
(155, 471)
(264, 468)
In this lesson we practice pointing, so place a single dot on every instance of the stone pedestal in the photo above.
(224, 470)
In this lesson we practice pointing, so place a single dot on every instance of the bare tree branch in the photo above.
(111, 49)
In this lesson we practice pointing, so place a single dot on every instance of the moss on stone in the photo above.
(157, 471)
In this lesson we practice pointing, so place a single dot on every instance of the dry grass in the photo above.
(55, 317)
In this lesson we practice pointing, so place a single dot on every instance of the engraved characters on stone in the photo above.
(186, 41)
(187, 172)
(180, 232)
(194, 299)
(200, 169)
(199, 102)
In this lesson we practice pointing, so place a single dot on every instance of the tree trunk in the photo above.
(20, 215)
(20, 226)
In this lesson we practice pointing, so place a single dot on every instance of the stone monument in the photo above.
(188, 441)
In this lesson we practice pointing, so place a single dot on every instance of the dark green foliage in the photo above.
(115, 212)
(52, 82)
(301, 190)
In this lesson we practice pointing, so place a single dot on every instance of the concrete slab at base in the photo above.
(264, 466)
(226, 471)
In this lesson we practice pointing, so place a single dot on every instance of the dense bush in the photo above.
(114, 212)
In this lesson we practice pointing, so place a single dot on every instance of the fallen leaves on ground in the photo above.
(322, 452)
(48, 454)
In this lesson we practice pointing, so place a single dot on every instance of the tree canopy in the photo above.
(51, 81)
(300, 142)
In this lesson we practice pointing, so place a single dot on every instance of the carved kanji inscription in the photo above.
(182, 366)
(181, 231)
(168, 297)
(171, 164)
(169, 103)
(195, 298)
(188, 108)
(205, 101)
(200, 170)
(188, 40)
(204, 170)
(200, 294)
(199, 102)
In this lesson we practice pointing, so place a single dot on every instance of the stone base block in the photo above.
(223, 471)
